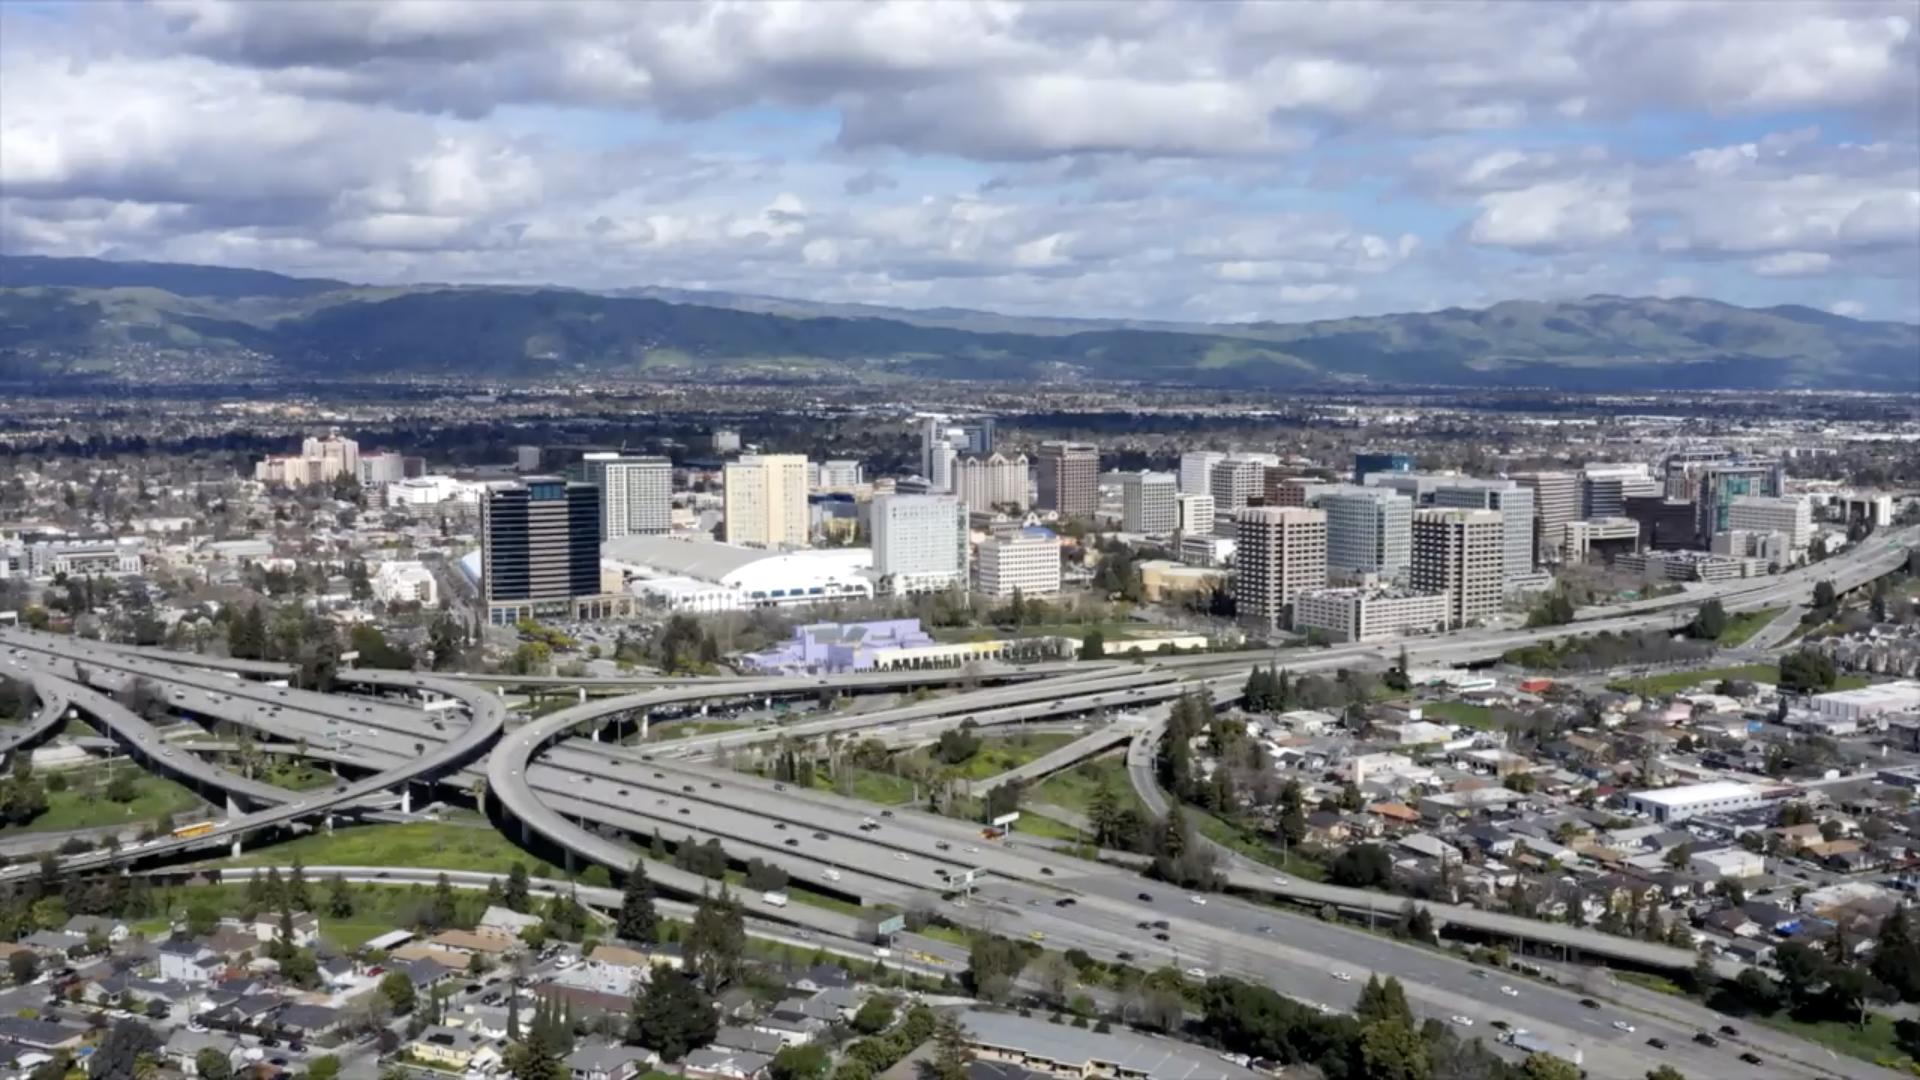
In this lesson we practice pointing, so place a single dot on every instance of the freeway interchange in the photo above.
(565, 781)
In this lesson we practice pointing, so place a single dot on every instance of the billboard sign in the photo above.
(891, 925)
(1005, 820)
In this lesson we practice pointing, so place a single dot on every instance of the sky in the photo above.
(1187, 161)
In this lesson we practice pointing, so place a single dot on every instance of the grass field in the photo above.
(1072, 789)
(1874, 1042)
(297, 776)
(1674, 682)
(83, 806)
(1458, 712)
(425, 844)
(1046, 828)
(999, 754)
(1227, 834)
(1743, 626)
(377, 908)
(689, 729)
(870, 786)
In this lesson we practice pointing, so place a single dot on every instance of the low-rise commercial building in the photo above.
(1026, 560)
(1691, 800)
(1370, 614)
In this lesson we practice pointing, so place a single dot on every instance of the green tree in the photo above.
(212, 1064)
(875, 1015)
(1093, 645)
(672, 1016)
(1548, 1067)
(538, 1056)
(1391, 1050)
(1384, 1001)
(1665, 1072)
(324, 1067)
(952, 1054)
(1709, 622)
(118, 1055)
(23, 967)
(637, 920)
(518, 896)
(808, 1061)
(339, 898)
(397, 988)
(715, 940)
(1807, 672)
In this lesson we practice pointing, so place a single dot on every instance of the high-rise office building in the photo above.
(1236, 480)
(1148, 503)
(940, 459)
(1279, 487)
(1665, 524)
(839, 474)
(1605, 489)
(1515, 504)
(1783, 514)
(995, 480)
(919, 542)
(766, 500)
(380, 469)
(1069, 478)
(1278, 552)
(320, 461)
(1023, 560)
(1369, 532)
(1368, 461)
(1196, 471)
(1463, 554)
(964, 437)
(1556, 501)
(1196, 515)
(636, 493)
(1681, 469)
(1721, 482)
(539, 548)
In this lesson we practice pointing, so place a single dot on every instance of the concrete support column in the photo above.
(236, 846)
(329, 822)
(583, 695)
(594, 734)
(406, 798)
(644, 721)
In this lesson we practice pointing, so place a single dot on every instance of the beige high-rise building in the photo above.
(1556, 501)
(766, 500)
(1463, 554)
(1069, 478)
(995, 480)
(1278, 552)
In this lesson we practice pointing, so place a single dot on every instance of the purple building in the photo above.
(825, 648)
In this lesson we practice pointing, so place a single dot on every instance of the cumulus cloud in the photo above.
(1183, 161)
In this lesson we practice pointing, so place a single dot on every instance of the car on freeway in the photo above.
(819, 836)
(1509, 991)
(1036, 935)
(1705, 1039)
(1065, 901)
(1622, 1025)
(901, 856)
(1279, 879)
(1341, 975)
(1201, 900)
(1590, 1003)
(1162, 936)
(1196, 973)
(1046, 871)
(1729, 1031)
(1657, 1043)
(1750, 1058)
(793, 841)
(1463, 1021)
(1146, 898)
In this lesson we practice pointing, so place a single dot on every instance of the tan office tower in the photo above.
(1278, 551)
(766, 500)
(1463, 554)
(1069, 478)
(1556, 501)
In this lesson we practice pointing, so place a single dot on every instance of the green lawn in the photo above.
(949, 934)
(427, 845)
(83, 805)
(377, 908)
(688, 729)
(297, 776)
(1001, 753)
(1677, 681)
(1659, 984)
(1044, 827)
(1227, 834)
(1875, 1042)
(869, 786)
(1072, 789)
(1743, 626)
(1458, 712)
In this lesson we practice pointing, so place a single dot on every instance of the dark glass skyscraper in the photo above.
(1366, 462)
(540, 548)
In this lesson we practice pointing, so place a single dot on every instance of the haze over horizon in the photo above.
(1188, 162)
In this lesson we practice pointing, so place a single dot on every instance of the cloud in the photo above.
(1151, 160)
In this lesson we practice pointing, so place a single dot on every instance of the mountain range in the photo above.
(59, 316)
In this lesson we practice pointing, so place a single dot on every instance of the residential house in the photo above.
(39, 1034)
(111, 931)
(304, 927)
(446, 1047)
(822, 977)
(734, 1037)
(183, 1047)
(506, 921)
(714, 1063)
(188, 961)
(609, 1061)
(310, 1023)
(485, 943)
(56, 945)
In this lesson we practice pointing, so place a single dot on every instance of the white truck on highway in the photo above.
(774, 899)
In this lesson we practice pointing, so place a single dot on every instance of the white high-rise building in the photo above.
(766, 500)
(1027, 560)
(1196, 471)
(1605, 488)
(940, 459)
(1278, 552)
(1556, 501)
(1235, 480)
(1515, 504)
(1461, 553)
(337, 456)
(379, 470)
(636, 493)
(1196, 515)
(995, 480)
(1369, 532)
(840, 474)
(919, 542)
(1768, 513)
(1148, 503)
